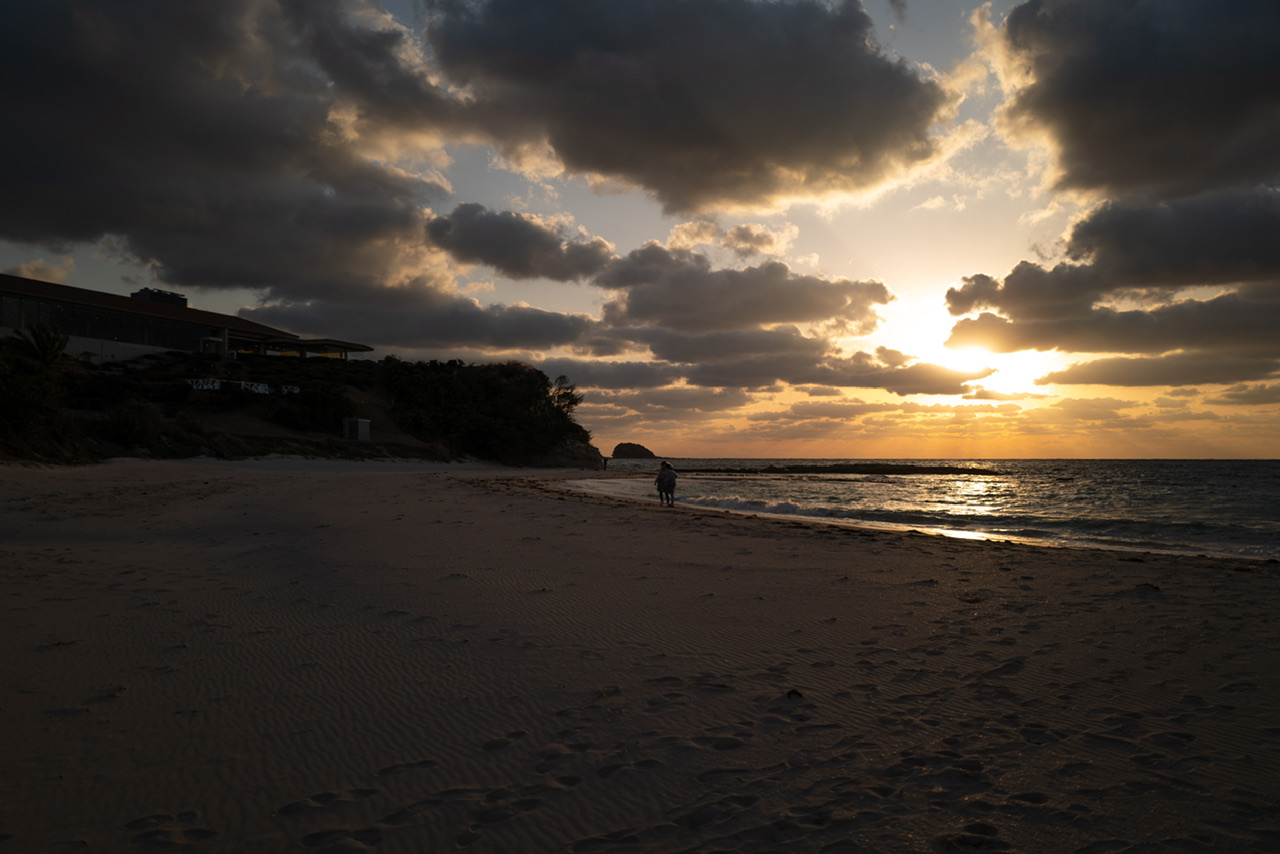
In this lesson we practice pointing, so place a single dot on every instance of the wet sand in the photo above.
(306, 656)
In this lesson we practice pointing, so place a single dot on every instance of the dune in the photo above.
(292, 655)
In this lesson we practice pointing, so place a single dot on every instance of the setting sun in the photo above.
(929, 327)
(1016, 373)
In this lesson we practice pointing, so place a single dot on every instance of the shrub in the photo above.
(29, 393)
(507, 412)
(318, 406)
(134, 423)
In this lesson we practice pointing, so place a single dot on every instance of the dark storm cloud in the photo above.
(424, 318)
(678, 289)
(1163, 99)
(747, 240)
(285, 146)
(199, 135)
(1172, 110)
(375, 69)
(521, 247)
(729, 345)
(1230, 324)
(1175, 369)
(1221, 238)
(750, 371)
(1030, 292)
(681, 399)
(599, 374)
(707, 104)
(1248, 395)
(763, 358)
(237, 145)
(861, 371)
(1147, 252)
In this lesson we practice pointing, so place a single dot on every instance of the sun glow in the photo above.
(1013, 373)
(1016, 373)
(967, 359)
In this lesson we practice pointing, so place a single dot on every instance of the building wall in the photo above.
(101, 352)
(99, 324)
(97, 350)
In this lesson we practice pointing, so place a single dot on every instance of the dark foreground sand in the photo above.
(334, 658)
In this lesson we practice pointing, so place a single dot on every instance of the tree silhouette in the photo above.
(41, 342)
(506, 411)
(30, 390)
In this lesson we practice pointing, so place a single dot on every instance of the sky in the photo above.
(807, 228)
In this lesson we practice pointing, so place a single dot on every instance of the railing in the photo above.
(255, 388)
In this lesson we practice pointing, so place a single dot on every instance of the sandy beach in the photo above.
(333, 657)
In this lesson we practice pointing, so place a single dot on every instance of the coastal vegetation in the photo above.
(63, 410)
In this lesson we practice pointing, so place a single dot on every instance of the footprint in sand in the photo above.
(349, 840)
(658, 704)
(1170, 739)
(405, 814)
(170, 831)
(715, 812)
(720, 743)
(504, 742)
(402, 767)
(969, 841)
(106, 695)
(608, 771)
(324, 800)
(627, 840)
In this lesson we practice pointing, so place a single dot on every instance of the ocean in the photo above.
(1226, 508)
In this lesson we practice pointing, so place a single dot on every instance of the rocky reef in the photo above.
(632, 451)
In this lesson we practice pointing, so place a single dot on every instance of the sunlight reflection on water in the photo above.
(1187, 506)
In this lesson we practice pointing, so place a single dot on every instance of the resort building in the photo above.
(105, 327)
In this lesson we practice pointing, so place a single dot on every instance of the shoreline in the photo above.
(261, 659)
(949, 533)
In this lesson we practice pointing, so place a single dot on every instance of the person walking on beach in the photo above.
(666, 483)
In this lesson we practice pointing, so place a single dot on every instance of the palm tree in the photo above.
(42, 342)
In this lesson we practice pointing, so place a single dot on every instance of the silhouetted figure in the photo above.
(666, 483)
